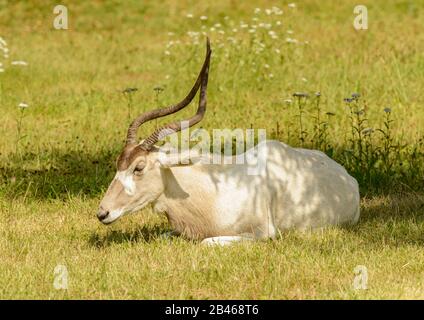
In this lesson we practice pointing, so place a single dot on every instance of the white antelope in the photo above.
(222, 203)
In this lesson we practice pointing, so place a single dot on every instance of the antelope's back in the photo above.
(310, 190)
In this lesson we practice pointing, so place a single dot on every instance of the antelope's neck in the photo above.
(188, 206)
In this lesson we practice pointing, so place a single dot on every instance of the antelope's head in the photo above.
(138, 180)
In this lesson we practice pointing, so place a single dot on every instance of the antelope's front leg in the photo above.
(227, 240)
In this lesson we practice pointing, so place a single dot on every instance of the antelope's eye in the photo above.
(138, 169)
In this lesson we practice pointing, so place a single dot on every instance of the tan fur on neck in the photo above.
(189, 208)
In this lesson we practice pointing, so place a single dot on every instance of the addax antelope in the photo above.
(222, 203)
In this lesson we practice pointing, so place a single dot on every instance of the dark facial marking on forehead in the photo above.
(128, 155)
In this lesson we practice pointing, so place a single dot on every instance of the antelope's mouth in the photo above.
(112, 217)
(116, 214)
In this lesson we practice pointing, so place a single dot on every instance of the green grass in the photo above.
(52, 179)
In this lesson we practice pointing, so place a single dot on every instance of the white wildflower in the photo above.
(268, 11)
(257, 10)
(277, 11)
(192, 34)
(290, 40)
(167, 53)
(292, 5)
(290, 31)
(272, 34)
(203, 18)
(19, 63)
(23, 105)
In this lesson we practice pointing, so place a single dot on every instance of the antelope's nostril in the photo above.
(102, 214)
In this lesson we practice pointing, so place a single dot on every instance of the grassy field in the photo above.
(57, 155)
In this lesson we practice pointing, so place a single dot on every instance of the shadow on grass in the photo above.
(144, 234)
(57, 175)
(391, 220)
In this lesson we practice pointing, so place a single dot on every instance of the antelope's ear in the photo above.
(174, 158)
